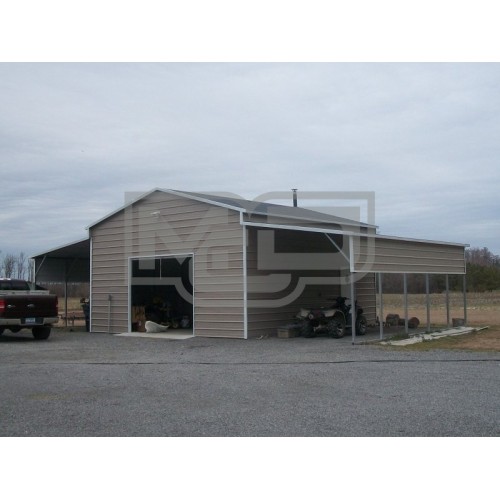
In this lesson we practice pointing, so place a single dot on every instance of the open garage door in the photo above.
(161, 291)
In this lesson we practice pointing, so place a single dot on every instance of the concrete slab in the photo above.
(415, 339)
(162, 335)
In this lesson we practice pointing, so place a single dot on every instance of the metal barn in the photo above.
(237, 268)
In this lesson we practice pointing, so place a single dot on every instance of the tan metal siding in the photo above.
(366, 297)
(406, 256)
(165, 224)
(109, 277)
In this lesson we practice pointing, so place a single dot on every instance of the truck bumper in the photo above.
(6, 322)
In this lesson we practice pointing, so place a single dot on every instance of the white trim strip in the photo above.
(245, 280)
(265, 225)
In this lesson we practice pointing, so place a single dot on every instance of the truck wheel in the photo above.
(41, 332)
(336, 327)
(361, 325)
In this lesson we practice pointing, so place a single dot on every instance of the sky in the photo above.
(76, 138)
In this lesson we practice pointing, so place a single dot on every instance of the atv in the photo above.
(333, 321)
(361, 323)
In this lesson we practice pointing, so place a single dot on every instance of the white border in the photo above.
(221, 30)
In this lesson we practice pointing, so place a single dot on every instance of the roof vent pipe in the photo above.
(294, 197)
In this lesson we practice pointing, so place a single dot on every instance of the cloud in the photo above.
(75, 137)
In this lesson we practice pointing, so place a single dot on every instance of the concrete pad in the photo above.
(452, 331)
(431, 336)
(162, 335)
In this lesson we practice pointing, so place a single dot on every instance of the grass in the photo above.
(483, 341)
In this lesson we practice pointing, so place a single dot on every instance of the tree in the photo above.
(21, 266)
(8, 265)
(482, 257)
(14, 266)
(483, 270)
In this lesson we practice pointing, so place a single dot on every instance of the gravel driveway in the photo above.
(83, 384)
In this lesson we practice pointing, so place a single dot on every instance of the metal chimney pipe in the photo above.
(294, 197)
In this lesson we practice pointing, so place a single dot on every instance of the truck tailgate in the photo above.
(28, 306)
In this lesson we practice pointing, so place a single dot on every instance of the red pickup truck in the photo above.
(24, 305)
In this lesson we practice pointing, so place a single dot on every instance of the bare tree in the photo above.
(482, 257)
(30, 271)
(21, 266)
(9, 265)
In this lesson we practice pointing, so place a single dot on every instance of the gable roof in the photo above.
(248, 207)
(251, 207)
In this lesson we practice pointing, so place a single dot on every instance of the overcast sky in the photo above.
(75, 138)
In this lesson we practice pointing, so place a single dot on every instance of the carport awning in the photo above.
(68, 263)
(388, 254)
(374, 253)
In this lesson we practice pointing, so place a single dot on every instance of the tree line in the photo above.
(483, 270)
(15, 266)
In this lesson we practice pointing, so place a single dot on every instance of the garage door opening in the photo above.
(161, 291)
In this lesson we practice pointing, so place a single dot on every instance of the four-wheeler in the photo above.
(332, 321)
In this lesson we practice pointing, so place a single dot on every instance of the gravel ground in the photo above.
(82, 384)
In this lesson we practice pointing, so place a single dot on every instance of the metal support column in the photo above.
(428, 302)
(37, 270)
(66, 293)
(353, 309)
(405, 291)
(381, 301)
(465, 299)
(447, 301)
(353, 297)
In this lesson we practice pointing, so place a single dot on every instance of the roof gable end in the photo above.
(182, 194)
(244, 206)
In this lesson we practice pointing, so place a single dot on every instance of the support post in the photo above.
(428, 302)
(405, 291)
(381, 300)
(447, 301)
(353, 297)
(465, 299)
(66, 302)
(66, 293)
(37, 270)
(353, 309)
